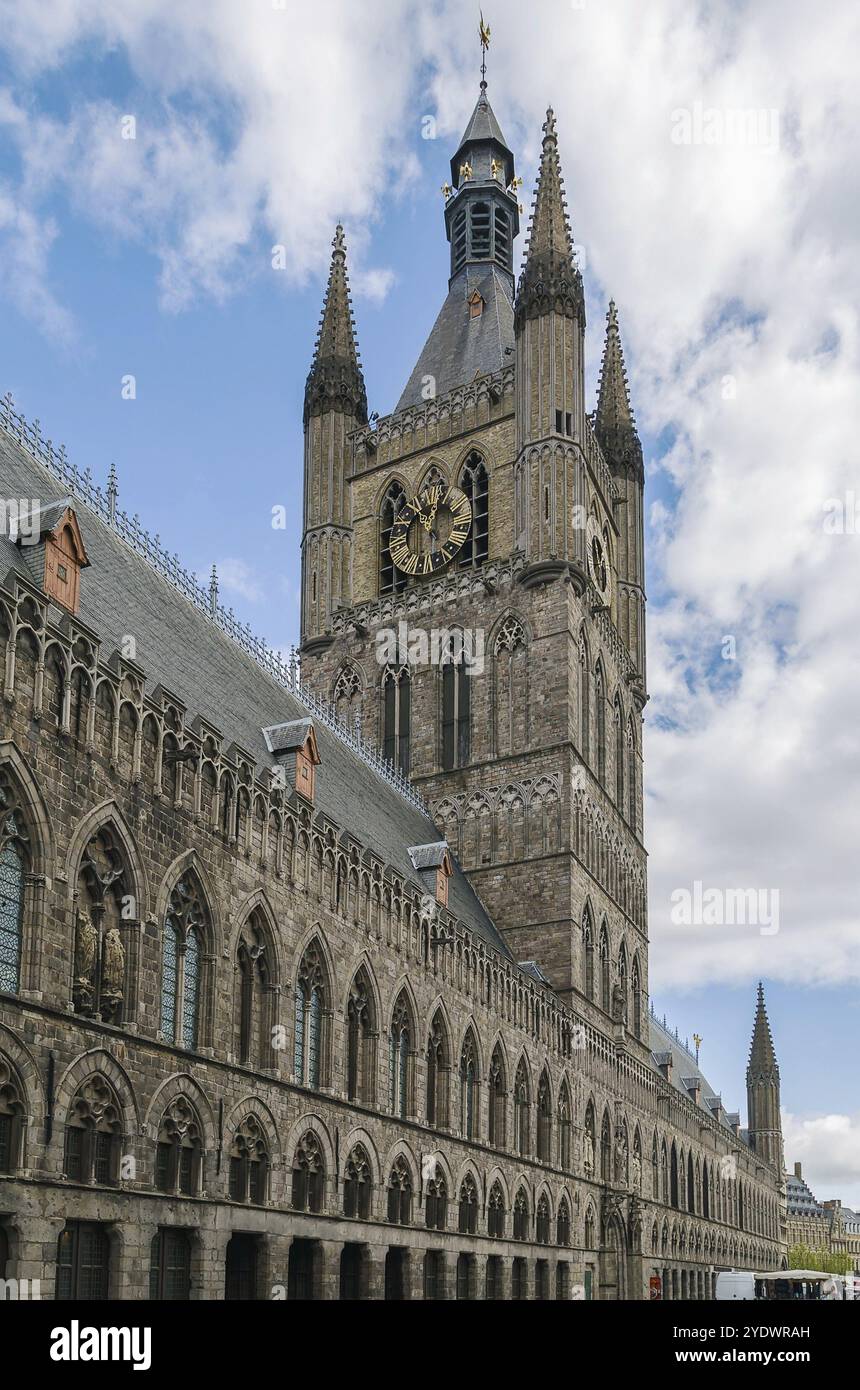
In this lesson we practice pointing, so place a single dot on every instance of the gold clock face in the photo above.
(598, 561)
(430, 529)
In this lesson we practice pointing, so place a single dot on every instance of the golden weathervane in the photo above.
(484, 35)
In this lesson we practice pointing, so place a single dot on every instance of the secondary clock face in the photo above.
(430, 529)
(598, 561)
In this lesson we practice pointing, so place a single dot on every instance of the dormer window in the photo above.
(476, 305)
(434, 867)
(295, 747)
(54, 551)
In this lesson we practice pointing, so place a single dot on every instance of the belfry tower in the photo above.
(529, 756)
(765, 1126)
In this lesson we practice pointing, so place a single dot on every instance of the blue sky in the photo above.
(152, 258)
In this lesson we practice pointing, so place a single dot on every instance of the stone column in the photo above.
(209, 1264)
(327, 1275)
(414, 1274)
(373, 1272)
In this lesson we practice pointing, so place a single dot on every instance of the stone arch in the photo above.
(362, 1136)
(253, 1105)
(42, 844)
(182, 1084)
(108, 816)
(97, 1061)
(258, 902)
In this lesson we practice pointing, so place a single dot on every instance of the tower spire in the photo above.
(765, 1125)
(549, 271)
(762, 1053)
(615, 423)
(335, 380)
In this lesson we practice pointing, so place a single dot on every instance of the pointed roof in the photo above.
(614, 421)
(483, 135)
(762, 1053)
(550, 277)
(335, 380)
(482, 122)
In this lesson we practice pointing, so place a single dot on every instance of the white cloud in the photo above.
(237, 577)
(736, 273)
(828, 1149)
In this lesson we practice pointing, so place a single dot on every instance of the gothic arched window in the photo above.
(436, 1202)
(502, 238)
(400, 1194)
(396, 717)
(100, 970)
(308, 1175)
(474, 482)
(357, 1185)
(346, 696)
(587, 954)
(179, 1149)
(253, 1024)
(14, 866)
(606, 1148)
(93, 1134)
(480, 229)
(468, 1088)
(496, 1211)
(600, 722)
(636, 991)
(631, 773)
(437, 1073)
(605, 991)
(521, 1215)
(391, 579)
(521, 1110)
(360, 1032)
(497, 1098)
(562, 1224)
(511, 693)
(542, 1220)
(184, 932)
(308, 1032)
(584, 699)
(11, 1119)
(467, 1217)
(544, 1120)
(398, 1060)
(618, 718)
(11, 916)
(249, 1163)
(456, 696)
(564, 1128)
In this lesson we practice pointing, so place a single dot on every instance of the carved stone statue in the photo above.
(620, 1158)
(113, 973)
(86, 953)
(637, 1173)
(588, 1154)
(619, 1004)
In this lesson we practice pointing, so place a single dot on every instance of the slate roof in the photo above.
(460, 347)
(800, 1199)
(664, 1045)
(180, 648)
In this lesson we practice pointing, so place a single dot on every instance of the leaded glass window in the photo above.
(190, 987)
(310, 1006)
(11, 917)
(169, 974)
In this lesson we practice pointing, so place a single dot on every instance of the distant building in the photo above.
(826, 1226)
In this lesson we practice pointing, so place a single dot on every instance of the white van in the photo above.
(735, 1283)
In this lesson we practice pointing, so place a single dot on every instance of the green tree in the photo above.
(827, 1261)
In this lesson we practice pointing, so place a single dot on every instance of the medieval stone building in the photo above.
(338, 986)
